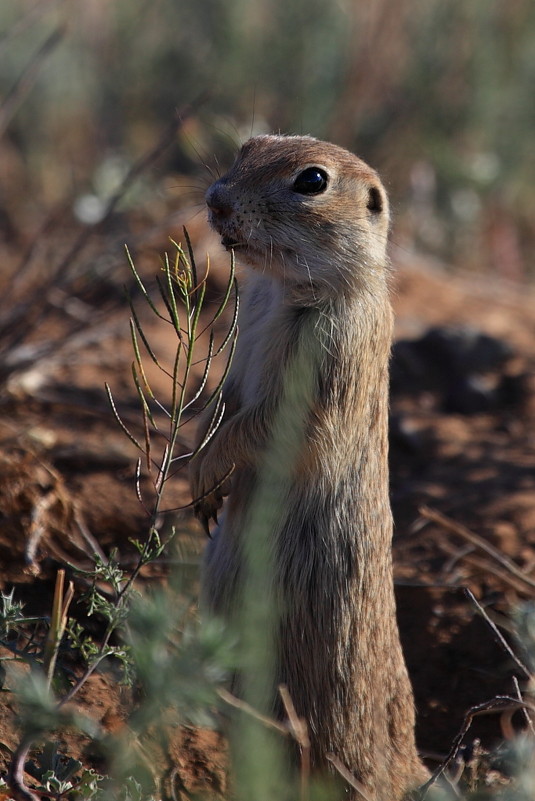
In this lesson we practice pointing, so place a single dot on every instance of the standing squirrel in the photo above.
(311, 222)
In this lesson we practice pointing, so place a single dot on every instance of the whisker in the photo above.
(202, 159)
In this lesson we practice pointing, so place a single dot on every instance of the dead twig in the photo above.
(23, 23)
(348, 777)
(58, 622)
(243, 706)
(487, 566)
(88, 538)
(37, 528)
(145, 162)
(15, 775)
(527, 717)
(28, 314)
(434, 516)
(27, 78)
(497, 633)
(299, 730)
(501, 703)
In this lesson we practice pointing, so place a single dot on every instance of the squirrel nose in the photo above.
(218, 201)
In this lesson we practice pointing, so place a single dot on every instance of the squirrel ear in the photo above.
(375, 200)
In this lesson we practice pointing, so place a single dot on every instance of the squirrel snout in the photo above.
(218, 201)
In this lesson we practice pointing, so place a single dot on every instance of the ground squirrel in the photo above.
(311, 221)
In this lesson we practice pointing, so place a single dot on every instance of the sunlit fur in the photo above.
(317, 291)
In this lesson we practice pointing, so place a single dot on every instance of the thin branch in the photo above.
(497, 633)
(499, 703)
(348, 777)
(167, 139)
(487, 566)
(243, 706)
(58, 622)
(15, 775)
(526, 714)
(37, 527)
(230, 285)
(299, 730)
(27, 78)
(162, 472)
(24, 22)
(435, 516)
(141, 286)
(119, 420)
(89, 538)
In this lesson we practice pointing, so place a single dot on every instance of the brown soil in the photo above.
(463, 443)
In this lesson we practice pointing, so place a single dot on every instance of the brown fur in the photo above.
(317, 296)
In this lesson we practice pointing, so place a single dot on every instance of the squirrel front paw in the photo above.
(209, 485)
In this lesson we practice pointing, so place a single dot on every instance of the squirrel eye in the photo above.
(311, 181)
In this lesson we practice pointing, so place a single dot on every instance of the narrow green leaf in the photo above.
(117, 417)
(138, 357)
(171, 297)
(147, 437)
(222, 380)
(233, 324)
(144, 338)
(141, 284)
(163, 471)
(176, 384)
(199, 300)
(144, 404)
(192, 264)
(163, 292)
(138, 484)
(215, 422)
(204, 379)
(232, 282)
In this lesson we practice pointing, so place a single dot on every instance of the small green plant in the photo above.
(160, 647)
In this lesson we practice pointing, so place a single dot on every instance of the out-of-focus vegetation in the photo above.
(438, 96)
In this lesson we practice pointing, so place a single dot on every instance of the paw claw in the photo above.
(205, 524)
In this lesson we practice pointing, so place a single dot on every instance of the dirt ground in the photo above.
(462, 445)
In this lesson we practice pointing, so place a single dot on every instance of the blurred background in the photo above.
(438, 96)
(114, 117)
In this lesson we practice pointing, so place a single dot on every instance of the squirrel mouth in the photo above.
(229, 243)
